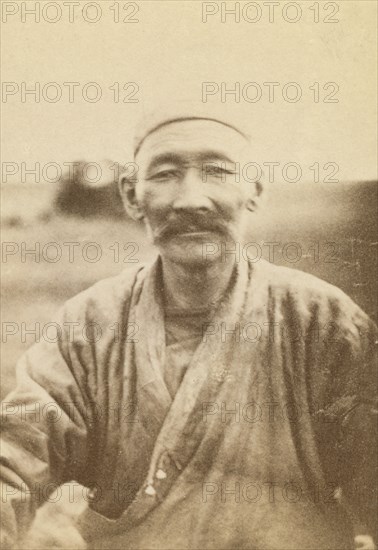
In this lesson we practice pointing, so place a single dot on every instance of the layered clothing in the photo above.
(265, 442)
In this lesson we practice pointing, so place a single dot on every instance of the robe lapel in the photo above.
(149, 352)
(211, 366)
(179, 423)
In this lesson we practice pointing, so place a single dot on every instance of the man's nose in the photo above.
(190, 193)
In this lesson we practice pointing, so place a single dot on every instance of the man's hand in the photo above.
(57, 534)
(364, 542)
(55, 526)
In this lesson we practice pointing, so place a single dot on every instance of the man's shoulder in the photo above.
(307, 292)
(289, 280)
(105, 297)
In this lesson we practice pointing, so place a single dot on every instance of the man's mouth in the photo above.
(188, 230)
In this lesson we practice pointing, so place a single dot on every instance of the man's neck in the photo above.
(195, 287)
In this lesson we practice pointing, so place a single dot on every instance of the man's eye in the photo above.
(217, 171)
(164, 174)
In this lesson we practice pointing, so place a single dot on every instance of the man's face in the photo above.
(189, 190)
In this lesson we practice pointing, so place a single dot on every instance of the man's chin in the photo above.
(190, 252)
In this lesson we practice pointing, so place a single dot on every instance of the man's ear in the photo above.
(127, 185)
(256, 197)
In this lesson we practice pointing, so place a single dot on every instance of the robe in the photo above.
(268, 442)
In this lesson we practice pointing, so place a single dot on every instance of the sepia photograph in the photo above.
(189, 275)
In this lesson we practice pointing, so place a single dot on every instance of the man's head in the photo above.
(189, 188)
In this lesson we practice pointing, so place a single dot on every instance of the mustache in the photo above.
(189, 223)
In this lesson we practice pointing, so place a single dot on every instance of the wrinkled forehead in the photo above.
(193, 138)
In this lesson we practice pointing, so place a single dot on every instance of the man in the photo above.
(188, 434)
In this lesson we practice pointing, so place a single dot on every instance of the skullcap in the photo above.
(181, 111)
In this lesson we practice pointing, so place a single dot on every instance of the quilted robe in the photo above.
(267, 444)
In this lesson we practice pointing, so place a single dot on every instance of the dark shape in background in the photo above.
(77, 196)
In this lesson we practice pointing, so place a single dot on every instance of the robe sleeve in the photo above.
(45, 427)
(348, 435)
